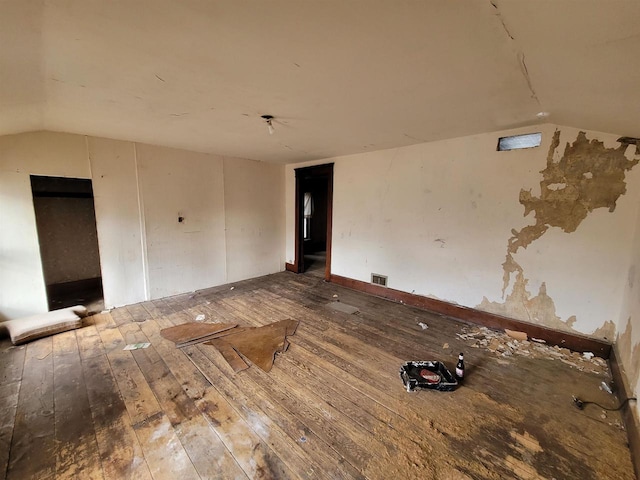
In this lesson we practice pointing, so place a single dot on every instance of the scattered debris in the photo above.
(605, 386)
(520, 336)
(200, 318)
(503, 345)
(588, 355)
(445, 346)
(335, 295)
(137, 346)
(302, 439)
(342, 307)
(538, 340)
(424, 326)
(232, 288)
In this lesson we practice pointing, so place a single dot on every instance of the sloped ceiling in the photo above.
(338, 76)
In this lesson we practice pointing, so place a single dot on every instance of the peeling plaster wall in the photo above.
(439, 218)
(140, 190)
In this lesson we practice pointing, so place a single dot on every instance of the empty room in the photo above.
(294, 239)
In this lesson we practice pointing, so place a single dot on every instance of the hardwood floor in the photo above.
(77, 405)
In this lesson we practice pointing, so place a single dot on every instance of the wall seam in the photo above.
(224, 215)
(143, 228)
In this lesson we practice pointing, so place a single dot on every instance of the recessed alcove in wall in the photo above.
(66, 223)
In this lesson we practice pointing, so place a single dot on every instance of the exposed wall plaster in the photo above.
(587, 176)
(630, 355)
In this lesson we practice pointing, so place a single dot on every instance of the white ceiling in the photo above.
(339, 76)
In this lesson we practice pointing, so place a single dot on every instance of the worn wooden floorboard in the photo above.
(77, 453)
(239, 427)
(33, 451)
(120, 451)
(12, 362)
(77, 406)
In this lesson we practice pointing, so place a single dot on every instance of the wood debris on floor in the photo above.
(190, 333)
(258, 344)
(505, 345)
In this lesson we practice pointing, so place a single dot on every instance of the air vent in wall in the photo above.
(516, 142)
(378, 279)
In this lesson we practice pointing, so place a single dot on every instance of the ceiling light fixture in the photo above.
(268, 120)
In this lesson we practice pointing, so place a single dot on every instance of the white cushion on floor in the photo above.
(24, 330)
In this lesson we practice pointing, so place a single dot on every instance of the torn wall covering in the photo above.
(436, 219)
(585, 177)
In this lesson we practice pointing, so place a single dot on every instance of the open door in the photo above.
(66, 223)
(314, 212)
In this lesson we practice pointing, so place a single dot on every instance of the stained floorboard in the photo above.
(79, 406)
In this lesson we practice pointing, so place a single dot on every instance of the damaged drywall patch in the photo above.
(585, 177)
(521, 305)
(606, 331)
(630, 355)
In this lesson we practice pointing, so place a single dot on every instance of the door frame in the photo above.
(303, 174)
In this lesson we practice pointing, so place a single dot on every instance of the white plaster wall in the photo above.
(190, 255)
(118, 221)
(22, 287)
(436, 217)
(140, 190)
(254, 218)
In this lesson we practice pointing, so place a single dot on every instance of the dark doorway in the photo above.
(66, 222)
(314, 207)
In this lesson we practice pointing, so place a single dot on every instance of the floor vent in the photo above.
(378, 279)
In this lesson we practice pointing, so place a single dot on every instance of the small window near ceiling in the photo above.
(308, 212)
(516, 142)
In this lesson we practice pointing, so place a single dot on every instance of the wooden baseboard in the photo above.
(572, 341)
(291, 267)
(629, 412)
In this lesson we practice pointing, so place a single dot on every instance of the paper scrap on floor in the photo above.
(137, 346)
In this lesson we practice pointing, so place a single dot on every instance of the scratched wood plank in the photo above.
(77, 453)
(8, 404)
(162, 449)
(240, 428)
(120, 451)
(320, 446)
(11, 365)
(205, 449)
(33, 452)
(213, 409)
(11, 362)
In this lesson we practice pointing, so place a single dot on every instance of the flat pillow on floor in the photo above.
(24, 330)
